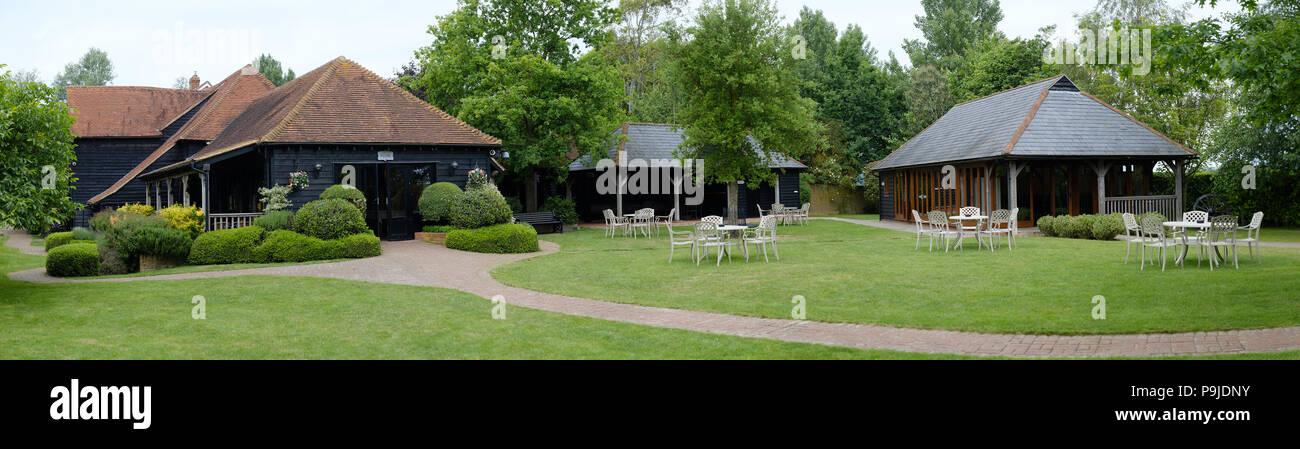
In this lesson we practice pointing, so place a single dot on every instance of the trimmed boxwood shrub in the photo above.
(275, 220)
(499, 239)
(226, 246)
(78, 259)
(480, 207)
(57, 239)
(289, 246)
(329, 219)
(438, 200)
(346, 193)
(1106, 227)
(1045, 225)
(439, 229)
(1083, 226)
(563, 207)
(358, 246)
(1062, 226)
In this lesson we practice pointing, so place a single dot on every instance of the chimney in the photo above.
(194, 81)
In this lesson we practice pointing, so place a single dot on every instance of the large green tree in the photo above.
(530, 73)
(36, 155)
(950, 28)
(637, 48)
(742, 104)
(928, 98)
(93, 69)
(998, 64)
(270, 68)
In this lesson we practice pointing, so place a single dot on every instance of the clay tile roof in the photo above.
(228, 99)
(342, 102)
(127, 111)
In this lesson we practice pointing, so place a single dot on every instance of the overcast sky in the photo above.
(151, 43)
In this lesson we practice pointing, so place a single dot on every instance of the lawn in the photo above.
(275, 317)
(858, 274)
(1268, 234)
(854, 216)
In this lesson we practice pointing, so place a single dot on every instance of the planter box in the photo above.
(151, 263)
(437, 238)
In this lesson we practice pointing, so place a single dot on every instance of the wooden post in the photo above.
(1013, 190)
(1101, 168)
(146, 194)
(203, 183)
(169, 191)
(157, 196)
(185, 191)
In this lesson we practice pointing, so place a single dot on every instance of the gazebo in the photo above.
(1038, 147)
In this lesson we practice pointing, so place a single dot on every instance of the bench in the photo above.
(541, 219)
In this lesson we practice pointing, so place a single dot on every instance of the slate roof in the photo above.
(226, 100)
(659, 141)
(343, 102)
(128, 111)
(1048, 118)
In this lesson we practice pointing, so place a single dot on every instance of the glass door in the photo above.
(400, 220)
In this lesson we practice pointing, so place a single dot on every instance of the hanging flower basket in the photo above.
(476, 178)
(298, 180)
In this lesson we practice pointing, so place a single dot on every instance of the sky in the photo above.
(152, 43)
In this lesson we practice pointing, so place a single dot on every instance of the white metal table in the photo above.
(1185, 225)
(961, 221)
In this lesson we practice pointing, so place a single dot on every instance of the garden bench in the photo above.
(540, 219)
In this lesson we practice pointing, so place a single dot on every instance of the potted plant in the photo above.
(298, 180)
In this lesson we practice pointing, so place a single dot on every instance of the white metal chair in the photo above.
(778, 210)
(1132, 234)
(1159, 242)
(999, 224)
(1015, 225)
(716, 220)
(1252, 235)
(613, 223)
(643, 221)
(707, 236)
(1222, 234)
(802, 215)
(921, 228)
(939, 229)
(1194, 216)
(680, 238)
(763, 235)
(665, 220)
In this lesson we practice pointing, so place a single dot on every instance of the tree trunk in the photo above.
(733, 197)
(530, 191)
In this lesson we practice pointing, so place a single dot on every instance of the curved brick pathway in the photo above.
(422, 264)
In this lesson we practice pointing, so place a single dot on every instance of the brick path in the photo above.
(422, 264)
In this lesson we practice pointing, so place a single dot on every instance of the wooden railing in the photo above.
(1166, 205)
(217, 222)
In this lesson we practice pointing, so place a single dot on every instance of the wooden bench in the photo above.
(542, 219)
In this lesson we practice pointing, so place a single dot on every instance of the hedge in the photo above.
(346, 193)
(57, 239)
(1045, 225)
(289, 246)
(1099, 227)
(226, 246)
(275, 220)
(499, 239)
(329, 219)
(75, 259)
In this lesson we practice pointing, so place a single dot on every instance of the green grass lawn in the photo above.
(858, 274)
(1268, 234)
(261, 317)
(854, 216)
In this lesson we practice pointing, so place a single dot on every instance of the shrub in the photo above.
(1062, 226)
(357, 246)
(499, 239)
(1107, 227)
(289, 246)
(1045, 225)
(275, 221)
(80, 259)
(563, 207)
(329, 219)
(347, 193)
(275, 198)
(184, 218)
(138, 209)
(515, 205)
(83, 234)
(110, 261)
(442, 229)
(1152, 214)
(438, 200)
(155, 241)
(57, 239)
(1083, 227)
(121, 235)
(103, 219)
(481, 207)
(226, 246)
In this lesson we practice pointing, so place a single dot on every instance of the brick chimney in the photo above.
(194, 81)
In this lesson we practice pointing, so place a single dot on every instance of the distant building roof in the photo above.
(128, 111)
(650, 141)
(1048, 118)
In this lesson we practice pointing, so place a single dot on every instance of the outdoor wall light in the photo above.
(455, 164)
(319, 167)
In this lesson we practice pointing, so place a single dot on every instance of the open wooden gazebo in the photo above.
(1046, 147)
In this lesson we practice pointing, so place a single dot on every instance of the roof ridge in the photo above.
(461, 123)
(1033, 111)
(279, 128)
(1009, 90)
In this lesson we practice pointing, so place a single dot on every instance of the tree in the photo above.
(636, 48)
(36, 155)
(929, 98)
(950, 28)
(181, 82)
(996, 65)
(271, 69)
(515, 69)
(742, 104)
(27, 76)
(93, 69)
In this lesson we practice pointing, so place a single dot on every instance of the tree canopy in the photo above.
(950, 28)
(93, 69)
(36, 155)
(271, 69)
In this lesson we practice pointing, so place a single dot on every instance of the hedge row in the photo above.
(73, 259)
(1098, 227)
(252, 244)
(499, 239)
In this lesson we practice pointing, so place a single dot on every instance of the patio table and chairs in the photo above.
(641, 221)
(968, 214)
